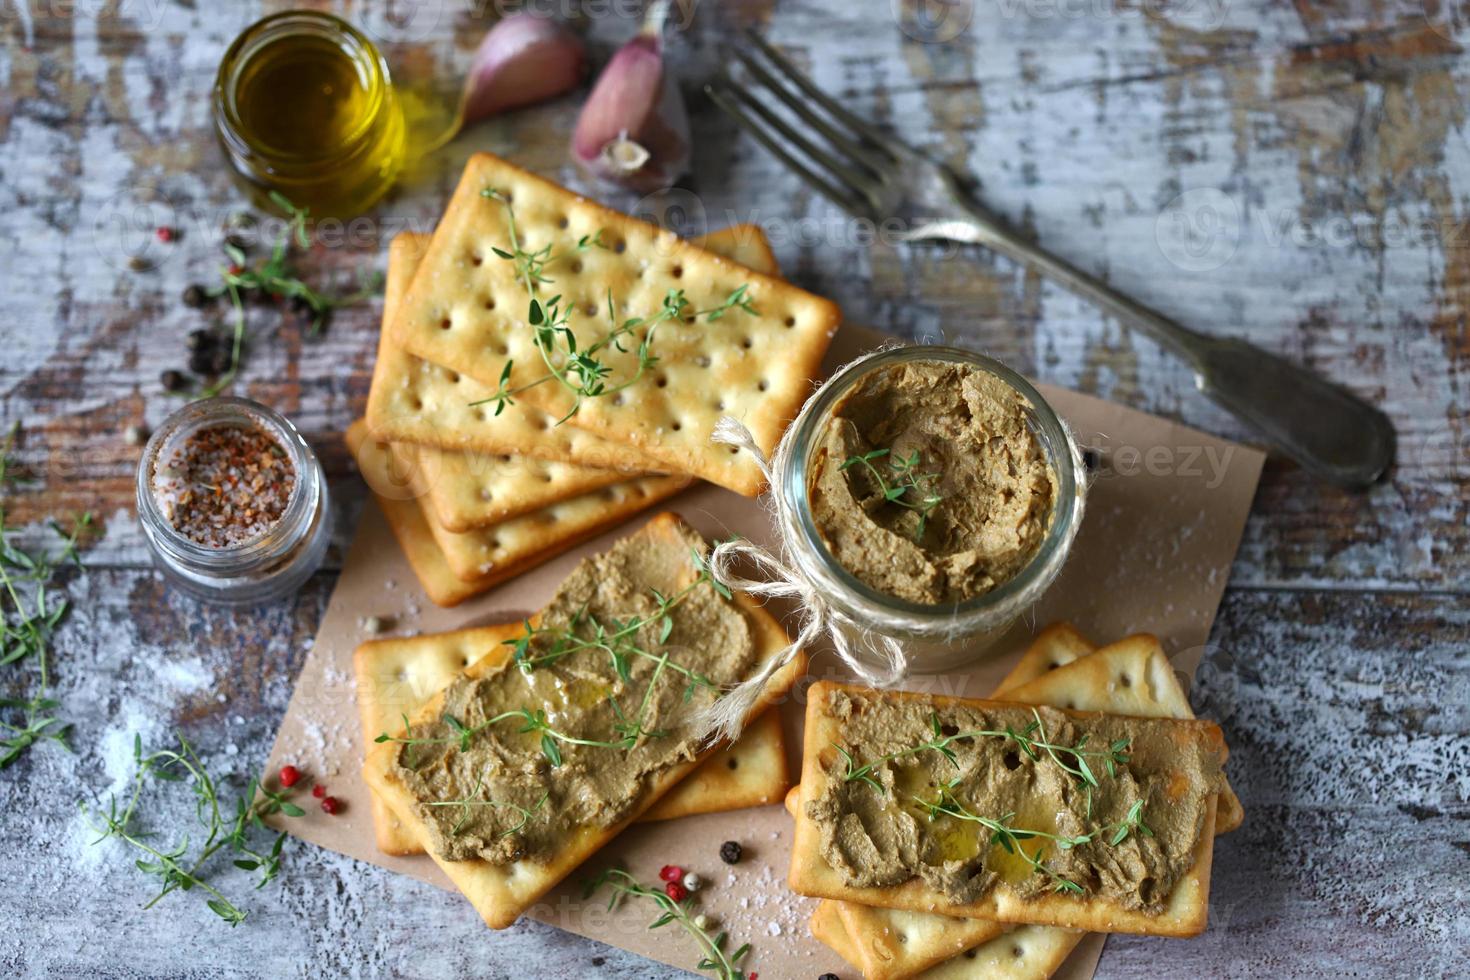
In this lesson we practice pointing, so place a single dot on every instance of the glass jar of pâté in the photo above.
(931, 495)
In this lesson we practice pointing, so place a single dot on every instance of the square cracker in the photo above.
(481, 551)
(473, 488)
(757, 367)
(523, 542)
(487, 481)
(395, 676)
(413, 400)
(501, 894)
(1017, 953)
(417, 401)
(1184, 915)
(890, 944)
(1129, 677)
(1057, 645)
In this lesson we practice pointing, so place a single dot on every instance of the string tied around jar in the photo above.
(723, 718)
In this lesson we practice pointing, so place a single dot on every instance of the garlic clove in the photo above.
(633, 131)
(523, 59)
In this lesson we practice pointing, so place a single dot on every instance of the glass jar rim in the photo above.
(855, 595)
(272, 543)
(269, 29)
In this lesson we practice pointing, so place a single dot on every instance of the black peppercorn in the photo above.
(201, 340)
(730, 852)
(221, 359)
(201, 361)
(196, 295)
(173, 380)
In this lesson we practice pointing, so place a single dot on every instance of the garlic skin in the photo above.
(633, 131)
(522, 60)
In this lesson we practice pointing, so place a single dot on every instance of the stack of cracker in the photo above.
(476, 496)
(1061, 669)
(400, 683)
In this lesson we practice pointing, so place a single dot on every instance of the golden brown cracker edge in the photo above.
(538, 537)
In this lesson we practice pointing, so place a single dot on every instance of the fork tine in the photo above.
(726, 98)
(800, 80)
(876, 159)
(858, 181)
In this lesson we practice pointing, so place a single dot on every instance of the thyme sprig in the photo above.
(1010, 837)
(578, 367)
(172, 864)
(29, 615)
(276, 278)
(910, 488)
(532, 720)
(711, 948)
(1032, 740)
(472, 800)
(618, 638)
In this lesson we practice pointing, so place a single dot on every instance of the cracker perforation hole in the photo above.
(489, 302)
(661, 381)
(476, 259)
(1125, 680)
(789, 322)
(563, 221)
(733, 763)
(576, 267)
(620, 246)
(746, 343)
(677, 272)
(444, 323)
(763, 385)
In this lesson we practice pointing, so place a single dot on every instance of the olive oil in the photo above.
(305, 107)
(303, 95)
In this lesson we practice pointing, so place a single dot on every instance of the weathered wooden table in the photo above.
(1296, 174)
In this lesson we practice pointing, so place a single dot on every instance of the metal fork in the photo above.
(871, 175)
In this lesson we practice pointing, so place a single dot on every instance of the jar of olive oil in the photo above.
(304, 106)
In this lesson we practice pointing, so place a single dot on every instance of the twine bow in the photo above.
(725, 717)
